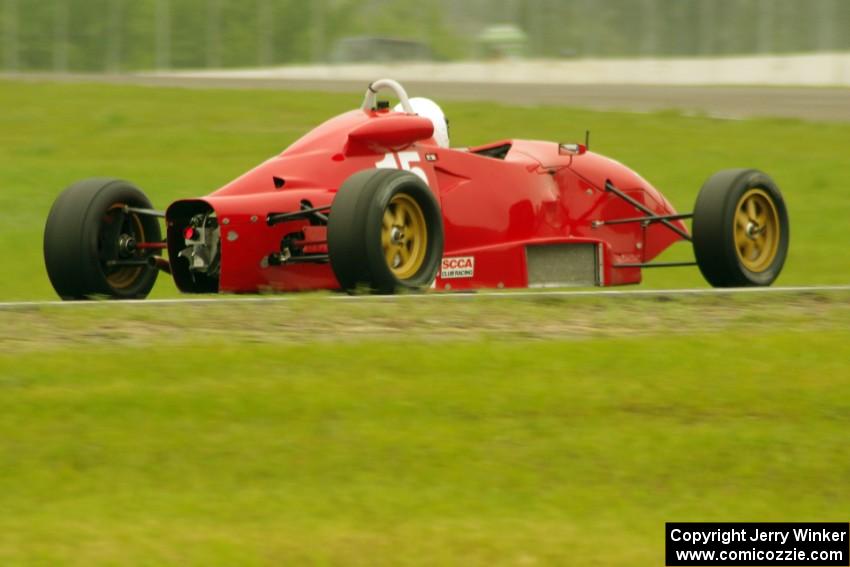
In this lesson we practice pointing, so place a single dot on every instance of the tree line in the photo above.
(121, 35)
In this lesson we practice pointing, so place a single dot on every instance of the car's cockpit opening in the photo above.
(497, 152)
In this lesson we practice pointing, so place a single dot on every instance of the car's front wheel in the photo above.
(740, 229)
(385, 232)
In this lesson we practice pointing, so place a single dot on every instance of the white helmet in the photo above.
(427, 108)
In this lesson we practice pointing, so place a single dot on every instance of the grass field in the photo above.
(456, 430)
(480, 432)
(178, 143)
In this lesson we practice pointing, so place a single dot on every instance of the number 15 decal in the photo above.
(403, 160)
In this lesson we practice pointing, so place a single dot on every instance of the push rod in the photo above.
(644, 209)
(654, 265)
(318, 212)
(650, 219)
(149, 212)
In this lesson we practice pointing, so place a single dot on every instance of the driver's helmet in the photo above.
(429, 109)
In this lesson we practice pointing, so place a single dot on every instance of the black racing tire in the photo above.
(368, 248)
(740, 229)
(83, 232)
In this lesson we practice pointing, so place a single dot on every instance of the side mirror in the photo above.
(572, 149)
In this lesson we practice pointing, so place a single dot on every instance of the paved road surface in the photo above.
(821, 104)
(612, 293)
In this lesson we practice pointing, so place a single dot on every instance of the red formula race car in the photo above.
(375, 199)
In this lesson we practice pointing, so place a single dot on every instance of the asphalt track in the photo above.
(731, 102)
(632, 293)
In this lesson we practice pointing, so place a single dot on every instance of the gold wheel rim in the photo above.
(122, 278)
(404, 236)
(757, 230)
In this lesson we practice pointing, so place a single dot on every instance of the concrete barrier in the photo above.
(823, 69)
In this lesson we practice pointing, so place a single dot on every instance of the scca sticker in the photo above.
(458, 267)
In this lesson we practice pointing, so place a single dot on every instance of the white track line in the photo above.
(11, 305)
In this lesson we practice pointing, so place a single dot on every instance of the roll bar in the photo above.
(369, 101)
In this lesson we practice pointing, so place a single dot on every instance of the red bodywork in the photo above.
(494, 209)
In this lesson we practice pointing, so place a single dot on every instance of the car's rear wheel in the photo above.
(740, 229)
(91, 241)
(385, 232)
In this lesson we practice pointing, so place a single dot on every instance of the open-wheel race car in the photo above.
(375, 199)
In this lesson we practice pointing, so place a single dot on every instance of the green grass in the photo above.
(448, 432)
(484, 453)
(177, 143)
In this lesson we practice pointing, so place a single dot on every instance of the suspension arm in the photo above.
(644, 209)
(318, 213)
